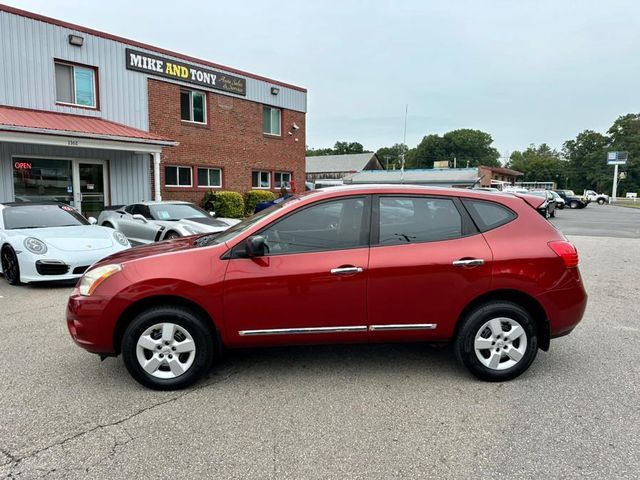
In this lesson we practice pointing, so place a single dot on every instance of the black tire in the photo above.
(470, 327)
(186, 320)
(601, 201)
(10, 266)
(574, 204)
(108, 225)
(172, 236)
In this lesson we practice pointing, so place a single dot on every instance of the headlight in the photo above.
(35, 246)
(120, 238)
(90, 280)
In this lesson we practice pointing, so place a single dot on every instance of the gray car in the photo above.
(147, 222)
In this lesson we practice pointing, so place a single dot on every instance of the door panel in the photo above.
(418, 284)
(428, 264)
(296, 291)
(92, 188)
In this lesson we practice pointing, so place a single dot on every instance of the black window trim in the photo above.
(237, 251)
(469, 228)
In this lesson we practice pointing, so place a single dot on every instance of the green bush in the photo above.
(253, 197)
(225, 204)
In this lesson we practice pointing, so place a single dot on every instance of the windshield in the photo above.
(569, 193)
(41, 216)
(176, 211)
(245, 224)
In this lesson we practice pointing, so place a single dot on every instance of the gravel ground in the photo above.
(372, 411)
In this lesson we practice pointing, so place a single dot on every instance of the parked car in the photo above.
(269, 203)
(547, 208)
(571, 199)
(51, 241)
(560, 203)
(148, 222)
(377, 263)
(592, 196)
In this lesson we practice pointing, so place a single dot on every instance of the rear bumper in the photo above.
(565, 304)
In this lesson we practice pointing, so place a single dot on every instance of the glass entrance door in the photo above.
(90, 182)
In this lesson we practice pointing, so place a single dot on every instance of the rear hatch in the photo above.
(532, 200)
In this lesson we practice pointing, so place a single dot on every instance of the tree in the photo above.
(340, 148)
(391, 157)
(466, 146)
(624, 136)
(587, 166)
(539, 164)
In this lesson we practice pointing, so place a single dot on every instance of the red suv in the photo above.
(347, 264)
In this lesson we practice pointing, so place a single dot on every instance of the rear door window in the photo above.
(488, 215)
(405, 220)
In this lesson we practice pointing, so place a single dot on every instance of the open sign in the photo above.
(22, 165)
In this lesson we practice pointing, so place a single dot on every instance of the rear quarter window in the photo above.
(488, 215)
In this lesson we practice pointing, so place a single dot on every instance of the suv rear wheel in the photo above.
(497, 341)
(167, 348)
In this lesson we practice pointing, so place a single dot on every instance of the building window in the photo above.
(193, 106)
(261, 179)
(209, 177)
(178, 176)
(283, 179)
(271, 120)
(75, 85)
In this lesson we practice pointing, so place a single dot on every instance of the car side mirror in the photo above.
(255, 246)
(92, 220)
(137, 216)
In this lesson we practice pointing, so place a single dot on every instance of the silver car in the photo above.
(148, 222)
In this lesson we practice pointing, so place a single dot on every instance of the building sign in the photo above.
(22, 165)
(168, 68)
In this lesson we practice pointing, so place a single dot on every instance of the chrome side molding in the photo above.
(343, 329)
(402, 326)
(290, 331)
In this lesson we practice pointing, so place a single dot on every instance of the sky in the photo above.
(525, 71)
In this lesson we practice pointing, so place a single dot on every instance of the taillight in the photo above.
(567, 251)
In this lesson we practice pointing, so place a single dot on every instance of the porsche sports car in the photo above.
(51, 241)
(148, 222)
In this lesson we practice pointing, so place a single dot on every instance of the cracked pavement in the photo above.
(366, 411)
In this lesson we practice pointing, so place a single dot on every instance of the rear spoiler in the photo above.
(532, 200)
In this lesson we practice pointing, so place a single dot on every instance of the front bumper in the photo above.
(89, 323)
(48, 268)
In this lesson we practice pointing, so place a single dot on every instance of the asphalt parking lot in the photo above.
(383, 411)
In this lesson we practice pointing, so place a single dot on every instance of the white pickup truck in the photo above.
(592, 196)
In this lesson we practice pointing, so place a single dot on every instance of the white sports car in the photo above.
(148, 222)
(51, 241)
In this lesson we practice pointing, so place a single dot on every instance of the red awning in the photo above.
(53, 123)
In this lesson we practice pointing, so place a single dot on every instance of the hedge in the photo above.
(225, 204)
(253, 197)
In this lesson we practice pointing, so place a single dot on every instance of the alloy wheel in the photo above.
(500, 343)
(165, 350)
(10, 266)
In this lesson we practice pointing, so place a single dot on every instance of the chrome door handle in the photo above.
(346, 270)
(472, 262)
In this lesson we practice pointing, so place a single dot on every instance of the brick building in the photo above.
(92, 119)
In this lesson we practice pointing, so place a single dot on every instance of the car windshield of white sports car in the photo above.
(176, 211)
(41, 216)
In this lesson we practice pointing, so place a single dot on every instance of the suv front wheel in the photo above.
(497, 341)
(167, 348)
